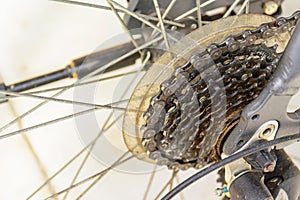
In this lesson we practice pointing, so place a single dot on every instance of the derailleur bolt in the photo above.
(264, 160)
(221, 191)
(270, 167)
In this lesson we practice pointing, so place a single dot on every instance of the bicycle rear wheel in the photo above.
(29, 161)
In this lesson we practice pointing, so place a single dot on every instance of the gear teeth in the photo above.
(182, 126)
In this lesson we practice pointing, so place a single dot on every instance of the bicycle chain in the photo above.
(184, 120)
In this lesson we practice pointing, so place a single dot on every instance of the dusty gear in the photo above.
(183, 126)
(180, 126)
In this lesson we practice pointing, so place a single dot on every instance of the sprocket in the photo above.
(177, 116)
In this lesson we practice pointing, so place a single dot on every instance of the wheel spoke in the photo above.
(106, 122)
(123, 24)
(133, 14)
(91, 148)
(91, 5)
(100, 177)
(45, 124)
(162, 26)
(166, 21)
(248, 7)
(28, 112)
(108, 106)
(231, 8)
(172, 3)
(150, 183)
(170, 6)
(79, 81)
(193, 10)
(32, 150)
(141, 19)
(198, 3)
(174, 173)
(51, 122)
(91, 143)
(119, 162)
(146, 17)
(244, 7)
(104, 128)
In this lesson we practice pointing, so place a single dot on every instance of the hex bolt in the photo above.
(270, 167)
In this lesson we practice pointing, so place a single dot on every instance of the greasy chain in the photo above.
(187, 120)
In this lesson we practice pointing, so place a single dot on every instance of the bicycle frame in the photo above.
(285, 178)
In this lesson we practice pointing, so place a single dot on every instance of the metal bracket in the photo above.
(272, 103)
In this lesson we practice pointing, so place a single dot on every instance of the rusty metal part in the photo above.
(183, 133)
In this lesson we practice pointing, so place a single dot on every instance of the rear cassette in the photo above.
(177, 115)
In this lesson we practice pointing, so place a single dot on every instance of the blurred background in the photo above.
(42, 36)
